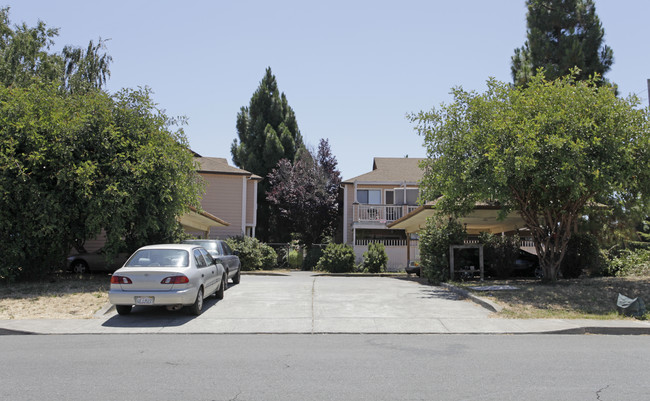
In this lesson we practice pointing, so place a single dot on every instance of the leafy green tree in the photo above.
(562, 35)
(25, 58)
(75, 160)
(546, 150)
(24, 55)
(435, 238)
(73, 165)
(86, 70)
(268, 131)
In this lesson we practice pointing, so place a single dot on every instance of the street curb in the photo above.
(261, 273)
(8, 332)
(108, 307)
(392, 275)
(487, 304)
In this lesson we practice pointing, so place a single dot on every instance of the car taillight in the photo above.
(120, 280)
(175, 280)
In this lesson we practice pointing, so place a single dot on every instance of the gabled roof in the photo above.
(219, 165)
(392, 169)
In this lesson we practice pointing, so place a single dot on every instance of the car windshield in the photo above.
(211, 246)
(159, 257)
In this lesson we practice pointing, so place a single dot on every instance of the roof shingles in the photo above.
(392, 169)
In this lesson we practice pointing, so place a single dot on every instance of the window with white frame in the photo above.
(411, 196)
(369, 196)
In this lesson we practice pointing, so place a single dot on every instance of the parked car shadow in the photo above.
(156, 316)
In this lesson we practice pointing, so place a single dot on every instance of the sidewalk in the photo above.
(303, 303)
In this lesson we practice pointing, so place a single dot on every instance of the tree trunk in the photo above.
(551, 230)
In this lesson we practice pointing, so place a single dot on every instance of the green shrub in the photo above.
(626, 262)
(253, 254)
(295, 258)
(269, 257)
(337, 258)
(375, 259)
(500, 253)
(582, 253)
(435, 239)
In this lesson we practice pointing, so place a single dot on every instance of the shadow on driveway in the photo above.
(156, 316)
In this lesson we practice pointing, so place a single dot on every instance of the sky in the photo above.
(351, 70)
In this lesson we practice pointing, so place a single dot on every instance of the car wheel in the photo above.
(123, 309)
(79, 267)
(237, 278)
(197, 306)
(222, 288)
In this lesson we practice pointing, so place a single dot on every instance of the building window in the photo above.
(369, 196)
(411, 196)
(390, 197)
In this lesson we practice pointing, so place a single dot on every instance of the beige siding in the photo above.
(251, 193)
(223, 198)
(349, 200)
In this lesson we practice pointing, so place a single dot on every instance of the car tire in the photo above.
(123, 309)
(197, 306)
(79, 267)
(237, 278)
(222, 288)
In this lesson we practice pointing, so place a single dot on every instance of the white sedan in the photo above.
(173, 275)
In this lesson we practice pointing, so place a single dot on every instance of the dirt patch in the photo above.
(61, 297)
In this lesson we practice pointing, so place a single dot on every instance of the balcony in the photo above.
(380, 213)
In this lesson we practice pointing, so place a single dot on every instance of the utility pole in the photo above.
(648, 92)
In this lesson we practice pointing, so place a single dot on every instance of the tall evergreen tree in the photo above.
(562, 34)
(267, 131)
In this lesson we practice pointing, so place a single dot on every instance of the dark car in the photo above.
(413, 268)
(527, 264)
(93, 261)
(222, 253)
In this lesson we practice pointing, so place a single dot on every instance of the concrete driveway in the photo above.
(305, 303)
(302, 302)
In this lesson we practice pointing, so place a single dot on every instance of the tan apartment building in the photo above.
(375, 199)
(230, 194)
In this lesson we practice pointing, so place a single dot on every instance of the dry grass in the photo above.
(587, 298)
(61, 297)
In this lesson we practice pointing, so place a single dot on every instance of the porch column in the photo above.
(408, 248)
(345, 214)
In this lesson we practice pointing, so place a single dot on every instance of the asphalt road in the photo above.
(324, 367)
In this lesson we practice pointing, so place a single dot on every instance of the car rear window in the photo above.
(210, 245)
(159, 258)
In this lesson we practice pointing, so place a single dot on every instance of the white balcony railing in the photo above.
(381, 213)
(386, 242)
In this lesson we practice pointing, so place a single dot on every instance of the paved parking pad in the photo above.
(303, 302)
(306, 303)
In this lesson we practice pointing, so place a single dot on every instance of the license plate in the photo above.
(144, 300)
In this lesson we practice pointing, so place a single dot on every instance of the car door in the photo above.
(218, 266)
(207, 271)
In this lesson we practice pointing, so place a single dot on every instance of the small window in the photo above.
(390, 197)
(411, 196)
(369, 196)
